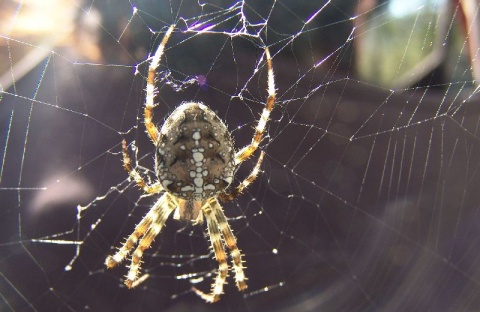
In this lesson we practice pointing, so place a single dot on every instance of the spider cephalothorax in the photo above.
(195, 163)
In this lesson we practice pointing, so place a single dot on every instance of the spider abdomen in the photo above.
(195, 153)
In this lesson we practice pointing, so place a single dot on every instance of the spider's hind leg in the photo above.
(231, 243)
(132, 239)
(158, 216)
(217, 226)
(220, 256)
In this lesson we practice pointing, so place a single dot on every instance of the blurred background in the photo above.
(368, 200)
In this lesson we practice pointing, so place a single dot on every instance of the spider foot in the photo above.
(133, 281)
(140, 280)
(240, 278)
(129, 283)
(241, 285)
(111, 262)
(210, 298)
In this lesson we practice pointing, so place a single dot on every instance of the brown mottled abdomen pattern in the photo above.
(194, 153)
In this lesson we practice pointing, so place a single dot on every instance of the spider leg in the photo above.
(160, 212)
(248, 150)
(127, 165)
(218, 248)
(150, 97)
(132, 240)
(231, 243)
(245, 183)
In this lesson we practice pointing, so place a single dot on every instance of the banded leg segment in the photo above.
(231, 243)
(218, 248)
(166, 208)
(150, 97)
(248, 150)
(132, 240)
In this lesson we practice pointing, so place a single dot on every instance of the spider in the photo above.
(195, 163)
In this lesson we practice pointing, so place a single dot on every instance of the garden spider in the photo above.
(195, 162)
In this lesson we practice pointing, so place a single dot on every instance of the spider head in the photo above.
(194, 154)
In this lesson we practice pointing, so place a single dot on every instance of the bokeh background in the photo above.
(368, 199)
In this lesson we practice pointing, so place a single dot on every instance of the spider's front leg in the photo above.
(150, 97)
(248, 150)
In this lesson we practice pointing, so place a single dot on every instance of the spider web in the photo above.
(368, 199)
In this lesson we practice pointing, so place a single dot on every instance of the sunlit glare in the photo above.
(401, 8)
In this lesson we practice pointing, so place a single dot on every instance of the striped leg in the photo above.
(231, 243)
(127, 165)
(218, 248)
(165, 208)
(150, 97)
(248, 150)
(132, 240)
(245, 183)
